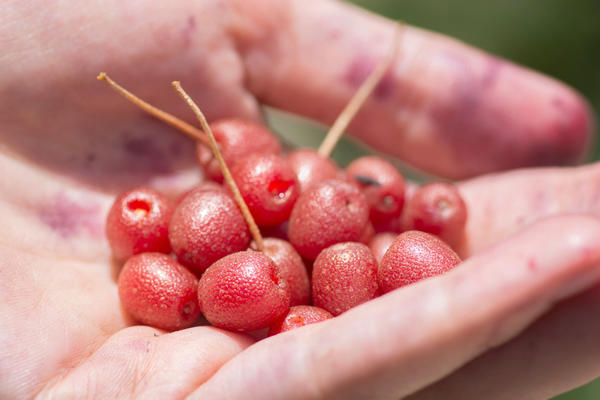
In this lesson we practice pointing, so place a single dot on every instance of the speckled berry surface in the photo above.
(311, 168)
(206, 226)
(157, 291)
(414, 256)
(382, 184)
(268, 185)
(298, 317)
(329, 212)
(291, 269)
(138, 222)
(439, 209)
(243, 292)
(344, 276)
(236, 138)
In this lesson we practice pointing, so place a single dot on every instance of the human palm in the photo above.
(69, 145)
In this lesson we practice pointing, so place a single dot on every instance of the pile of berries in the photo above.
(339, 237)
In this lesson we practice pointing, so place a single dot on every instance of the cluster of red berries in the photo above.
(195, 255)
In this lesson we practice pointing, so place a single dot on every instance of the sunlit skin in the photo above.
(69, 146)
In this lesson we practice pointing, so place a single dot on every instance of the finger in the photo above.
(558, 352)
(142, 362)
(444, 107)
(57, 116)
(403, 341)
(501, 205)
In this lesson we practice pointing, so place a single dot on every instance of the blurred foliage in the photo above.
(558, 37)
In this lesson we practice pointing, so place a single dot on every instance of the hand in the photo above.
(69, 144)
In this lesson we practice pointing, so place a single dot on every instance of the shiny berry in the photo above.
(298, 317)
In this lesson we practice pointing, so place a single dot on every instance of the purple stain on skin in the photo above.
(70, 218)
(144, 153)
(188, 30)
(360, 68)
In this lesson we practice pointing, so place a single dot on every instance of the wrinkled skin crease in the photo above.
(68, 145)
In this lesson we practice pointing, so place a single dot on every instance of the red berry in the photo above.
(155, 290)
(206, 226)
(414, 256)
(311, 168)
(202, 187)
(344, 276)
(268, 186)
(382, 184)
(368, 233)
(138, 222)
(329, 212)
(381, 243)
(291, 269)
(438, 208)
(236, 138)
(243, 292)
(298, 317)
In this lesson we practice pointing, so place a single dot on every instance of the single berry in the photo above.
(236, 139)
(206, 226)
(329, 212)
(311, 168)
(414, 256)
(344, 276)
(268, 186)
(291, 269)
(298, 317)
(439, 209)
(138, 222)
(380, 243)
(368, 233)
(157, 291)
(381, 183)
(243, 292)
(202, 187)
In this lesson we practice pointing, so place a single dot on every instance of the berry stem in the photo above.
(364, 91)
(226, 174)
(156, 112)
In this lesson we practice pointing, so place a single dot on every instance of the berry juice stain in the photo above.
(69, 218)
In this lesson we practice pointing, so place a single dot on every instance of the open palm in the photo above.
(68, 145)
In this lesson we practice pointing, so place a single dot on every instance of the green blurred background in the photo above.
(558, 37)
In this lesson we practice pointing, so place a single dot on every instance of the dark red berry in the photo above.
(206, 226)
(157, 291)
(344, 276)
(414, 256)
(138, 222)
(311, 168)
(243, 292)
(268, 186)
(382, 184)
(328, 212)
(236, 138)
(438, 208)
(298, 317)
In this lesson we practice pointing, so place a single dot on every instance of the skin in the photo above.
(68, 145)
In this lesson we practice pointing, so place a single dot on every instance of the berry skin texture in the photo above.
(269, 187)
(311, 168)
(243, 292)
(329, 212)
(157, 291)
(414, 256)
(381, 183)
(236, 138)
(439, 209)
(344, 276)
(206, 226)
(381, 243)
(138, 222)
(291, 269)
(298, 317)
